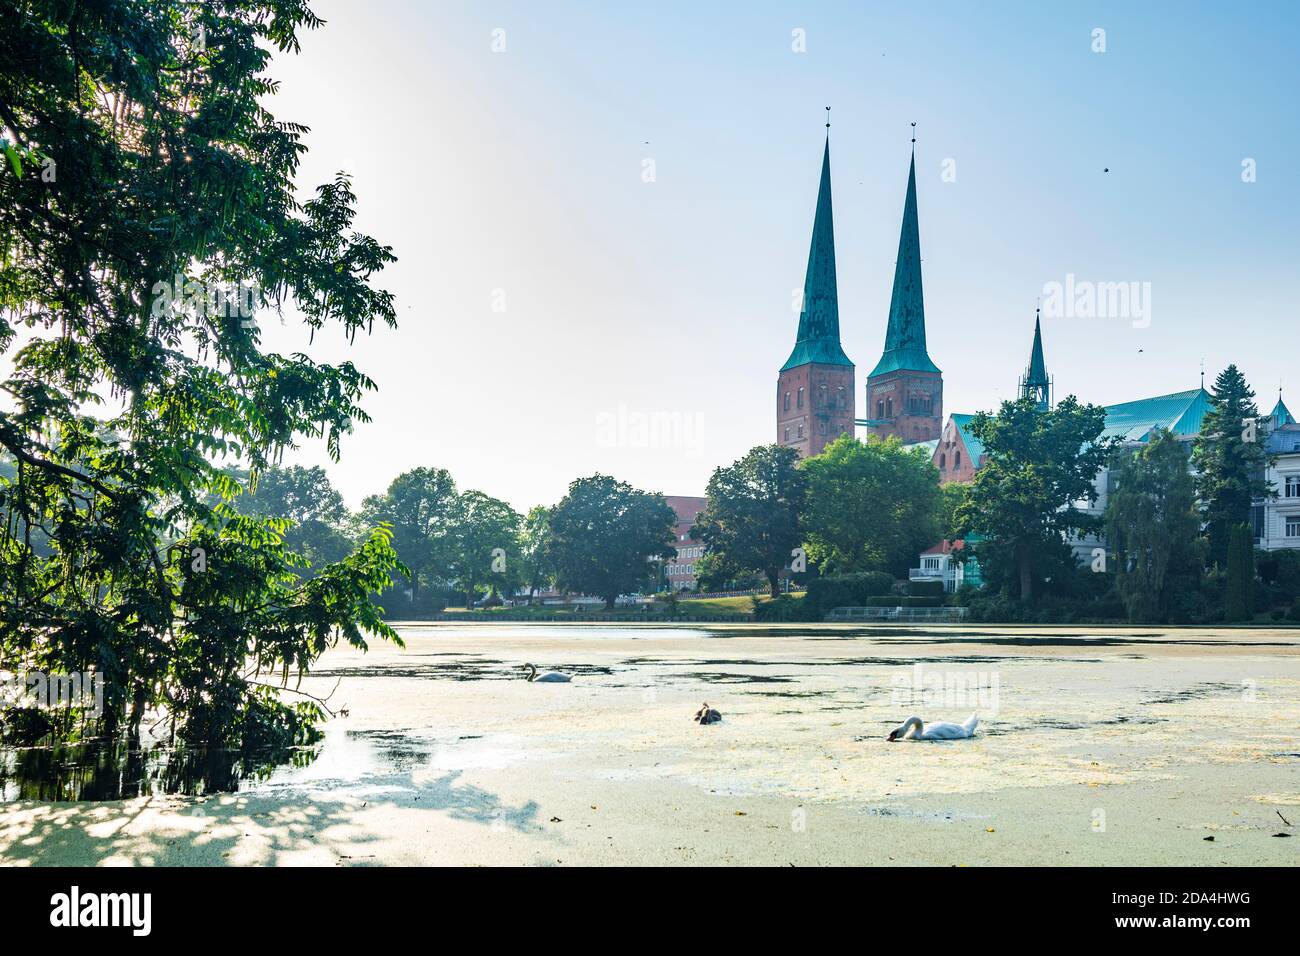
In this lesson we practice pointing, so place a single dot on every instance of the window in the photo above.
(943, 461)
(889, 408)
(822, 401)
(880, 408)
(1293, 526)
(801, 396)
(801, 433)
(787, 432)
(787, 401)
(1292, 486)
(956, 459)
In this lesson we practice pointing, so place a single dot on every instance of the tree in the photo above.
(871, 506)
(148, 213)
(536, 570)
(751, 516)
(1153, 526)
(1229, 460)
(951, 496)
(1238, 595)
(487, 545)
(306, 498)
(420, 507)
(1038, 467)
(603, 535)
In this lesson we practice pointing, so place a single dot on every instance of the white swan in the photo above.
(940, 730)
(550, 677)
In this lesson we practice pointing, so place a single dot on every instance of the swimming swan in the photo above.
(550, 677)
(939, 730)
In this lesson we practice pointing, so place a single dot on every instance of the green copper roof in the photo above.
(1180, 412)
(819, 322)
(1281, 415)
(974, 447)
(905, 337)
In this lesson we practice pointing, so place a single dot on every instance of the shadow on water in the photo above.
(111, 771)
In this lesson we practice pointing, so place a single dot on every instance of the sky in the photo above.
(602, 212)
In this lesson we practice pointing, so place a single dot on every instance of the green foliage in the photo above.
(751, 519)
(1229, 459)
(845, 590)
(930, 588)
(1038, 465)
(1153, 527)
(1239, 593)
(487, 545)
(785, 608)
(175, 183)
(871, 506)
(420, 507)
(602, 535)
(305, 497)
(535, 571)
(1279, 571)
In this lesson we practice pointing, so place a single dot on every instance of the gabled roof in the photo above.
(905, 336)
(974, 447)
(1180, 412)
(818, 339)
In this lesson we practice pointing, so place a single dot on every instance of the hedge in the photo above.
(846, 590)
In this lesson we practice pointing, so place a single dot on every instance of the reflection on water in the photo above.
(103, 771)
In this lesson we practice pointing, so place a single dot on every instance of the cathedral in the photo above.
(815, 392)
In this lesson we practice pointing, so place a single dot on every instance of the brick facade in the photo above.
(814, 406)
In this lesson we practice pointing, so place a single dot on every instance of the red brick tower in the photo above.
(814, 389)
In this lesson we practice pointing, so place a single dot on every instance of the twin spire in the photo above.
(905, 335)
(818, 339)
(819, 321)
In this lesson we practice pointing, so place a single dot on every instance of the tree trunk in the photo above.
(774, 583)
(609, 602)
(1026, 576)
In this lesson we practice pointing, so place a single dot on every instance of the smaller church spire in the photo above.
(1035, 384)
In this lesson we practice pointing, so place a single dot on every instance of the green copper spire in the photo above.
(1281, 415)
(1036, 384)
(819, 322)
(905, 337)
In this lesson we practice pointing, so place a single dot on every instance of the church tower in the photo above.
(815, 387)
(905, 389)
(1034, 383)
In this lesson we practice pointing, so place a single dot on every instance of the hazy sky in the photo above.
(548, 294)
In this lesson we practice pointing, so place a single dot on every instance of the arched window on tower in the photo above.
(943, 461)
(801, 432)
(787, 401)
(801, 396)
(956, 459)
(889, 408)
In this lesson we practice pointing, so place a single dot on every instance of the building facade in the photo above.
(1278, 523)
(679, 571)
(815, 387)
